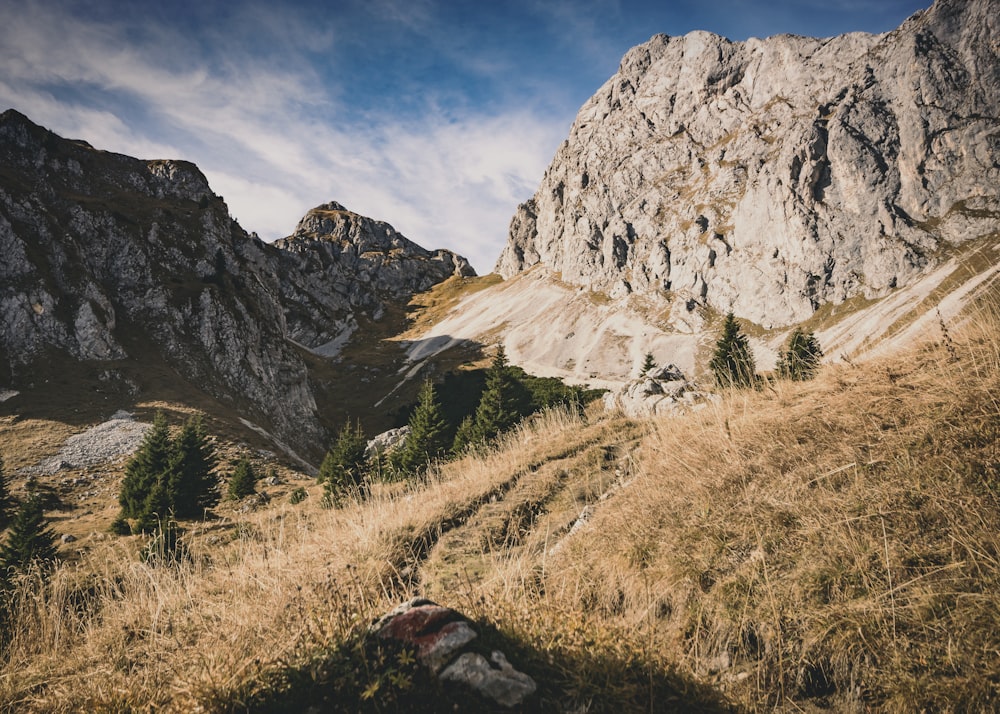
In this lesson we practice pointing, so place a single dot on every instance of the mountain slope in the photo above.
(125, 279)
(774, 176)
(790, 180)
(828, 545)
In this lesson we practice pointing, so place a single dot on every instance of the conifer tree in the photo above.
(648, 363)
(28, 540)
(168, 477)
(801, 357)
(156, 508)
(345, 464)
(733, 361)
(8, 504)
(243, 482)
(427, 439)
(503, 402)
(148, 466)
(464, 436)
(190, 484)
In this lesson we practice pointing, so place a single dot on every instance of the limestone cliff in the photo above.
(772, 176)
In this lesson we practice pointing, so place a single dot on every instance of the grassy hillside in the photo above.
(833, 544)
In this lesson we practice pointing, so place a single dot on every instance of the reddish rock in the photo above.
(439, 636)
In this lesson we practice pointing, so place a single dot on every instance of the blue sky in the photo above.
(437, 117)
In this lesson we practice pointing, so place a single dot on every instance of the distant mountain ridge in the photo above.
(771, 177)
(113, 261)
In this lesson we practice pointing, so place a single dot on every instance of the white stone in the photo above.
(494, 679)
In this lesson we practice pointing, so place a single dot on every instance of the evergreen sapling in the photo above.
(801, 357)
(345, 464)
(243, 482)
(733, 362)
(427, 439)
(29, 539)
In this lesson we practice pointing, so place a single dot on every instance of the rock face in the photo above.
(109, 259)
(772, 176)
(343, 264)
(441, 638)
(659, 391)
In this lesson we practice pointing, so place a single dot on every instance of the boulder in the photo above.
(387, 441)
(441, 638)
(660, 390)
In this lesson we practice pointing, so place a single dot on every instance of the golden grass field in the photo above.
(831, 545)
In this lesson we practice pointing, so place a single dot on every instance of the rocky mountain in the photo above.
(118, 268)
(772, 177)
(342, 264)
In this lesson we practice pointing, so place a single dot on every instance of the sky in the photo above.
(438, 117)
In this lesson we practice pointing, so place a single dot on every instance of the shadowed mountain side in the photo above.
(130, 276)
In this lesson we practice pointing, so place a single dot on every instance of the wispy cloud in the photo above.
(271, 133)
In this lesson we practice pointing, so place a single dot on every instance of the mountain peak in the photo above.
(771, 177)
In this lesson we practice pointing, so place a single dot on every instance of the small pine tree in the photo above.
(8, 504)
(801, 357)
(29, 539)
(733, 361)
(648, 363)
(465, 436)
(148, 466)
(427, 439)
(190, 483)
(156, 509)
(503, 402)
(243, 482)
(345, 465)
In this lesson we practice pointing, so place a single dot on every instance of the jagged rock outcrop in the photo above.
(769, 177)
(656, 392)
(107, 257)
(110, 259)
(342, 264)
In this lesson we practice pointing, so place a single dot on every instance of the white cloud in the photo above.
(270, 136)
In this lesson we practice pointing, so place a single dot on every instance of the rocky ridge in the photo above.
(343, 264)
(113, 261)
(771, 177)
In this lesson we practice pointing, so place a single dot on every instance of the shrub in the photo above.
(243, 482)
(801, 357)
(733, 361)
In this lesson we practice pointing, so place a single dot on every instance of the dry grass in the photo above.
(831, 544)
